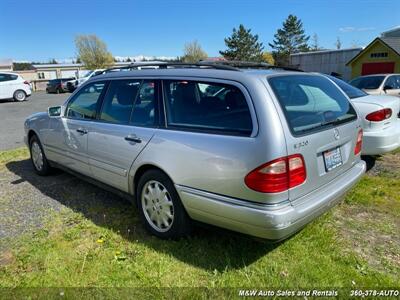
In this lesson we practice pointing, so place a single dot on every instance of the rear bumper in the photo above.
(382, 141)
(273, 222)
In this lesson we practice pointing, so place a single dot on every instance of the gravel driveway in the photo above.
(13, 115)
(26, 199)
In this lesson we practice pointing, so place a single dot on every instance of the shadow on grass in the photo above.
(370, 161)
(209, 248)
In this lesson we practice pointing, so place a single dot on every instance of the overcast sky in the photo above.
(44, 29)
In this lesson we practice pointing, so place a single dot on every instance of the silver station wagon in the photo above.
(261, 152)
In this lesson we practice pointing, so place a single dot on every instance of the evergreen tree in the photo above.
(243, 45)
(291, 38)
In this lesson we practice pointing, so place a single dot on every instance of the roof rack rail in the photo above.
(169, 65)
(254, 65)
(230, 65)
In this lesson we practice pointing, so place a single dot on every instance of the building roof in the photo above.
(392, 32)
(6, 62)
(327, 51)
(392, 43)
(51, 66)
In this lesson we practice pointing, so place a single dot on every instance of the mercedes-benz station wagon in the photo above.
(261, 152)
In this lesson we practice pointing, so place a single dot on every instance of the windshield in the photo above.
(311, 102)
(351, 91)
(368, 83)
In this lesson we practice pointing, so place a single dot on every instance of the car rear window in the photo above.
(368, 83)
(206, 106)
(351, 91)
(311, 103)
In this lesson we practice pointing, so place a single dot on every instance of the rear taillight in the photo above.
(357, 148)
(26, 82)
(379, 115)
(278, 175)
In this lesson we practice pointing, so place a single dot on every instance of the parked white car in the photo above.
(13, 86)
(380, 118)
(379, 84)
(87, 76)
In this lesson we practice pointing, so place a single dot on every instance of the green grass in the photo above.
(12, 155)
(105, 246)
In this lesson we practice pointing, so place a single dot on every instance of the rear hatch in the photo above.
(321, 125)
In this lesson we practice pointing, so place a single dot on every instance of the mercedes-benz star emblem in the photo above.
(336, 134)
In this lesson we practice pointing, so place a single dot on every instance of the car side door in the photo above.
(392, 85)
(125, 125)
(67, 139)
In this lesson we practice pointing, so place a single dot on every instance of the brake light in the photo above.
(379, 115)
(278, 175)
(357, 148)
(26, 82)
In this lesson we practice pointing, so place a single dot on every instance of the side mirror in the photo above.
(54, 111)
(387, 87)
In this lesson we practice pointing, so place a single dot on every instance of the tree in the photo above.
(338, 43)
(52, 61)
(289, 39)
(193, 52)
(93, 52)
(268, 58)
(22, 66)
(128, 59)
(315, 43)
(243, 45)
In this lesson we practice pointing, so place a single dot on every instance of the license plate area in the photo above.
(332, 159)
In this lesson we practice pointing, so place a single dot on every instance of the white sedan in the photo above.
(380, 117)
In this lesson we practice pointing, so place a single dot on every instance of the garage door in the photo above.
(68, 73)
(377, 68)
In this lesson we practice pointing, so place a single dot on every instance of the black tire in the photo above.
(45, 168)
(181, 223)
(19, 96)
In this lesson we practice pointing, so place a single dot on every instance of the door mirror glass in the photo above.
(54, 111)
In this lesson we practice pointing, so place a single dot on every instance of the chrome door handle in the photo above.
(133, 138)
(82, 131)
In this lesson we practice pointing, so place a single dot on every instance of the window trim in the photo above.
(196, 129)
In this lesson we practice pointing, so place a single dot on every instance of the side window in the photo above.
(118, 102)
(391, 81)
(145, 108)
(7, 77)
(84, 104)
(207, 106)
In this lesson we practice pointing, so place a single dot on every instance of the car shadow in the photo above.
(369, 160)
(209, 247)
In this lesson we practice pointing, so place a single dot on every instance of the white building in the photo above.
(6, 64)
